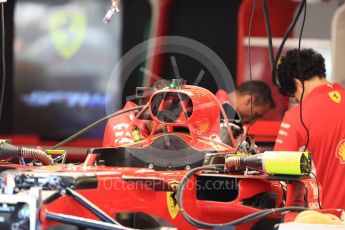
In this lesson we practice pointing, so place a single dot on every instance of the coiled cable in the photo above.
(36, 154)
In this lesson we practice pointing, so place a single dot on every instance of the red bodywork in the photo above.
(119, 190)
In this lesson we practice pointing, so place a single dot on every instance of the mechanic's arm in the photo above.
(289, 137)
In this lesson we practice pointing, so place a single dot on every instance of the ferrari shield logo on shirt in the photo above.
(172, 205)
(340, 151)
(335, 96)
(67, 31)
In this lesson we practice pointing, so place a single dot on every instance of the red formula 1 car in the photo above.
(181, 176)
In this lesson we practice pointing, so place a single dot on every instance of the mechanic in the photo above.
(117, 132)
(323, 113)
(251, 100)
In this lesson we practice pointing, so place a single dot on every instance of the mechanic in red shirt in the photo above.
(323, 112)
(251, 100)
(117, 129)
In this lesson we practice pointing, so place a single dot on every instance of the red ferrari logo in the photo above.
(340, 151)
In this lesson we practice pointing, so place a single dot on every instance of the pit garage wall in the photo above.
(338, 45)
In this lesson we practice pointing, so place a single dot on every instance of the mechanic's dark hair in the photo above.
(261, 91)
(312, 64)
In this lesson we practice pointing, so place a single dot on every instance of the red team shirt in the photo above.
(117, 129)
(324, 115)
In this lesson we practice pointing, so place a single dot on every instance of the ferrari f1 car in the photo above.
(183, 175)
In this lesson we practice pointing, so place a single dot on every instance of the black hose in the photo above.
(8, 151)
(82, 222)
(250, 74)
(36, 154)
(243, 220)
(303, 86)
(81, 132)
(269, 33)
(3, 61)
(280, 49)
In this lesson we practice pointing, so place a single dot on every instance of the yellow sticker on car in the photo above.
(172, 205)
